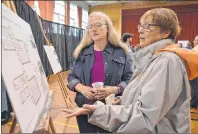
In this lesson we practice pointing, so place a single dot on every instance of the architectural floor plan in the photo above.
(22, 71)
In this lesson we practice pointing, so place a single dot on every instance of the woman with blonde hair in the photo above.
(100, 57)
(157, 99)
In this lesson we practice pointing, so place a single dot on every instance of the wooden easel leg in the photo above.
(13, 125)
(48, 78)
(51, 125)
(65, 89)
(62, 89)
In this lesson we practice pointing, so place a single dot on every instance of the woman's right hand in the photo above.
(88, 92)
(80, 111)
(116, 101)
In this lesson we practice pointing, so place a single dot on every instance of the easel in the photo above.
(10, 5)
(45, 124)
(62, 85)
(50, 129)
(13, 125)
(46, 118)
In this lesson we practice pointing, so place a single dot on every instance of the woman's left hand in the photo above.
(102, 93)
(80, 111)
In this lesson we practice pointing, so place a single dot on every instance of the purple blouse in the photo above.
(97, 72)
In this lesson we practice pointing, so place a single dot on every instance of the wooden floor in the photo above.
(65, 125)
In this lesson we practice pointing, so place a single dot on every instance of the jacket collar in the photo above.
(90, 49)
(109, 48)
(144, 56)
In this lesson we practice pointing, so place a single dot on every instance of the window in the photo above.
(73, 15)
(36, 7)
(59, 12)
(59, 16)
(84, 18)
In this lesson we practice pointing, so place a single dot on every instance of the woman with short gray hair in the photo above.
(157, 99)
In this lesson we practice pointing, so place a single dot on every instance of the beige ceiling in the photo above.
(97, 2)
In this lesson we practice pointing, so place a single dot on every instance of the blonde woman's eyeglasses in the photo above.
(96, 26)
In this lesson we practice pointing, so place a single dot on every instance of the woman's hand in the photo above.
(116, 101)
(80, 111)
(76, 112)
(88, 92)
(102, 93)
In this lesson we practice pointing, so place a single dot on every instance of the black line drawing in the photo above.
(22, 51)
(33, 44)
(24, 58)
(44, 84)
(24, 94)
(7, 42)
(8, 45)
(18, 46)
(32, 41)
(37, 72)
(58, 61)
(9, 20)
(5, 31)
(11, 33)
(10, 42)
(18, 82)
(40, 67)
(34, 89)
(25, 77)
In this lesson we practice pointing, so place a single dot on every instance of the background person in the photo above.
(128, 39)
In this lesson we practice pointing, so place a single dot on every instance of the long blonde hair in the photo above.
(112, 36)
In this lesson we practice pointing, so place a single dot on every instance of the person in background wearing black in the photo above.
(128, 38)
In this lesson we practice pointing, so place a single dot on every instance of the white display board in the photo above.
(22, 70)
(184, 43)
(53, 58)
